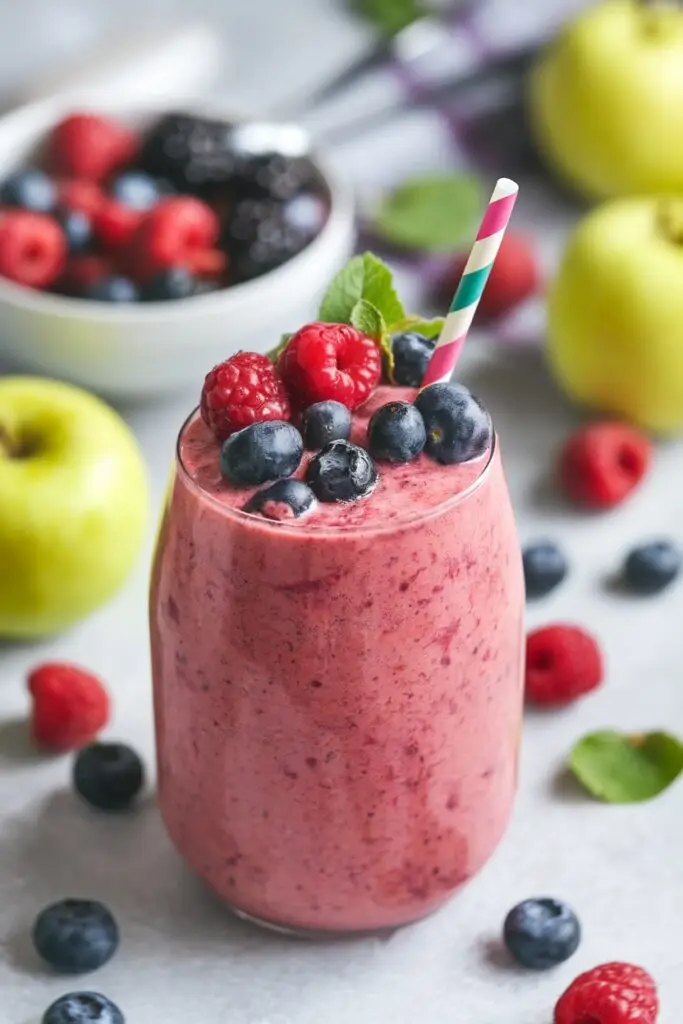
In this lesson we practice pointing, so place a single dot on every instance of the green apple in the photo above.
(615, 312)
(73, 505)
(606, 99)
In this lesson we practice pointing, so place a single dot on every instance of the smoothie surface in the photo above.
(404, 491)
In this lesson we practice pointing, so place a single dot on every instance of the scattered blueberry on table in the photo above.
(75, 935)
(541, 933)
(545, 567)
(83, 1008)
(652, 567)
(108, 776)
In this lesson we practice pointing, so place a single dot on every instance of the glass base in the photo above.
(312, 934)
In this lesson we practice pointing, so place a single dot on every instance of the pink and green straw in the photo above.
(472, 282)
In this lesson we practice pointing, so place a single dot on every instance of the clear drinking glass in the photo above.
(338, 710)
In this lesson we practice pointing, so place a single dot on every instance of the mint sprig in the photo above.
(363, 277)
(389, 16)
(622, 769)
(428, 328)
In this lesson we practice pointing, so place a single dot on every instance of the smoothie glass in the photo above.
(338, 702)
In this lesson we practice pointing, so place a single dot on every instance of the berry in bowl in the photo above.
(138, 244)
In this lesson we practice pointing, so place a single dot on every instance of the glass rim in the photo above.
(298, 526)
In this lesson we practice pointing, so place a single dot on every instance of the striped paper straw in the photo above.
(472, 283)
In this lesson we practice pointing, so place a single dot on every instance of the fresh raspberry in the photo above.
(80, 194)
(614, 993)
(330, 361)
(32, 248)
(245, 389)
(90, 146)
(171, 234)
(602, 463)
(514, 277)
(114, 224)
(70, 706)
(562, 663)
(82, 272)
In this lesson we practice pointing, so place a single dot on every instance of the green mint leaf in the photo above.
(378, 288)
(363, 277)
(343, 294)
(275, 352)
(367, 318)
(623, 769)
(428, 328)
(389, 16)
(436, 214)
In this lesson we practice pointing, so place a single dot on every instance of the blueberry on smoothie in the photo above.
(264, 451)
(75, 936)
(541, 933)
(650, 568)
(412, 352)
(108, 776)
(545, 566)
(396, 432)
(285, 499)
(458, 426)
(325, 422)
(341, 472)
(83, 1008)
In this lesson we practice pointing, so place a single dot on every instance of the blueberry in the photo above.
(75, 936)
(262, 452)
(31, 190)
(77, 229)
(83, 1008)
(108, 775)
(544, 568)
(135, 189)
(396, 433)
(458, 425)
(650, 568)
(285, 499)
(341, 472)
(541, 933)
(173, 283)
(325, 422)
(412, 352)
(113, 289)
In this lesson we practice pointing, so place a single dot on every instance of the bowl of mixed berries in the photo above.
(135, 245)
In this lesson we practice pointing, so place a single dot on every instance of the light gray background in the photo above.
(183, 959)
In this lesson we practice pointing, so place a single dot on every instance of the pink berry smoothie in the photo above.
(338, 698)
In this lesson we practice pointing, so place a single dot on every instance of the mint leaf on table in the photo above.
(364, 277)
(389, 16)
(436, 213)
(623, 769)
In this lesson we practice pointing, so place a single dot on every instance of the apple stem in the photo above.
(659, 14)
(16, 447)
(670, 221)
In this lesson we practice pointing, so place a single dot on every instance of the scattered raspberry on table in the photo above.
(601, 464)
(515, 277)
(563, 663)
(70, 706)
(613, 993)
(244, 389)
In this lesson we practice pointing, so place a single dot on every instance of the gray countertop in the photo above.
(183, 958)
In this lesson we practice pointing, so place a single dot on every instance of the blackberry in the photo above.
(272, 176)
(192, 153)
(258, 238)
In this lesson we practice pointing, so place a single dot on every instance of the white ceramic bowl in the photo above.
(142, 350)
